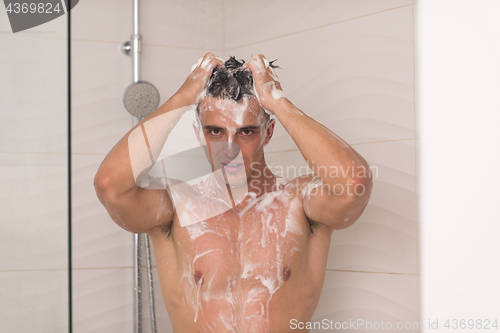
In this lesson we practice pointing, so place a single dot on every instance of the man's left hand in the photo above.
(265, 81)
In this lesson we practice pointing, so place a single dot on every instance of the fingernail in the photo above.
(205, 62)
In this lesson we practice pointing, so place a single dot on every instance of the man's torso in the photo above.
(250, 269)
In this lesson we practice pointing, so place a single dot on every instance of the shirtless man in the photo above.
(243, 250)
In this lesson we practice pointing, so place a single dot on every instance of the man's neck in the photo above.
(260, 182)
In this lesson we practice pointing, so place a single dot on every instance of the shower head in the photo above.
(141, 98)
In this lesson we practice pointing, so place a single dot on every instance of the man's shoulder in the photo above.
(301, 180)
(299, 184)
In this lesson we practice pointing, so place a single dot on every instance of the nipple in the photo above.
(198, 277)
(287, 272)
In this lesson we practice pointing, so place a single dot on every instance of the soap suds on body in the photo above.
(247, 306)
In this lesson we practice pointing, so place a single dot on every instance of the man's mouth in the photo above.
(232, 167)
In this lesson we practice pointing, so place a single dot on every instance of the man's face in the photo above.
(235, 134)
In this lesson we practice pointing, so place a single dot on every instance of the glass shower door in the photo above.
(34, 257)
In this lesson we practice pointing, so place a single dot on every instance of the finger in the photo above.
(273, 74)
(249, 61)
(202, 62)
(196, 65)
(256, 65)
(214, 62)
(208, 55)
(264, 60)
(206, 60)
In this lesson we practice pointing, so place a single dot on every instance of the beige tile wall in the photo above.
(347, 64)
(33, 178)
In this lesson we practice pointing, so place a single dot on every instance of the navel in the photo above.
(287, 272)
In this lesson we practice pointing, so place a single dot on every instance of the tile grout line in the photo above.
(369, 272)
(33, 270)
(351, 144)
(127, 267)
(417, 281)
(318, 27)
(269, 152)
(39, 35)
(143, 44)
(117, 267)
(367, 143)
(33, 152)
(224, 28)
(65, 269)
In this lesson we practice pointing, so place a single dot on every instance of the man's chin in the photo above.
(232, 179)
(236, 180)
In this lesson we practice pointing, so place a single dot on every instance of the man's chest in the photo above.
(254, 246)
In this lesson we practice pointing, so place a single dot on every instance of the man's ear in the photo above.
(269, 131)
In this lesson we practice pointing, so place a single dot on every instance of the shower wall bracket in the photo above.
(136, 44)
(126, 48)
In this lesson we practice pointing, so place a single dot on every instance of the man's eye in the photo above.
(247, 132)
(215, 132)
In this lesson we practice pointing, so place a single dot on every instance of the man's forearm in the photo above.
(330, 157)
(136, 153)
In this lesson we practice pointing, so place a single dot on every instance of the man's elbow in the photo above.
(356, 201)
(107, 196)
(366, 183)
(359, 188)
(104, 189)
(101, 182)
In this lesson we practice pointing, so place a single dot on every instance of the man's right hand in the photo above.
(192, 89)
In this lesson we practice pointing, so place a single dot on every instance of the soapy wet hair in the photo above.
(232, 81)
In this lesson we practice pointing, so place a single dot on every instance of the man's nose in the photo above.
(232, 150)
(230, 141)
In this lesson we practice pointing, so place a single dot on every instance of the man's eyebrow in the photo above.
(249, 127)
(212, 127)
